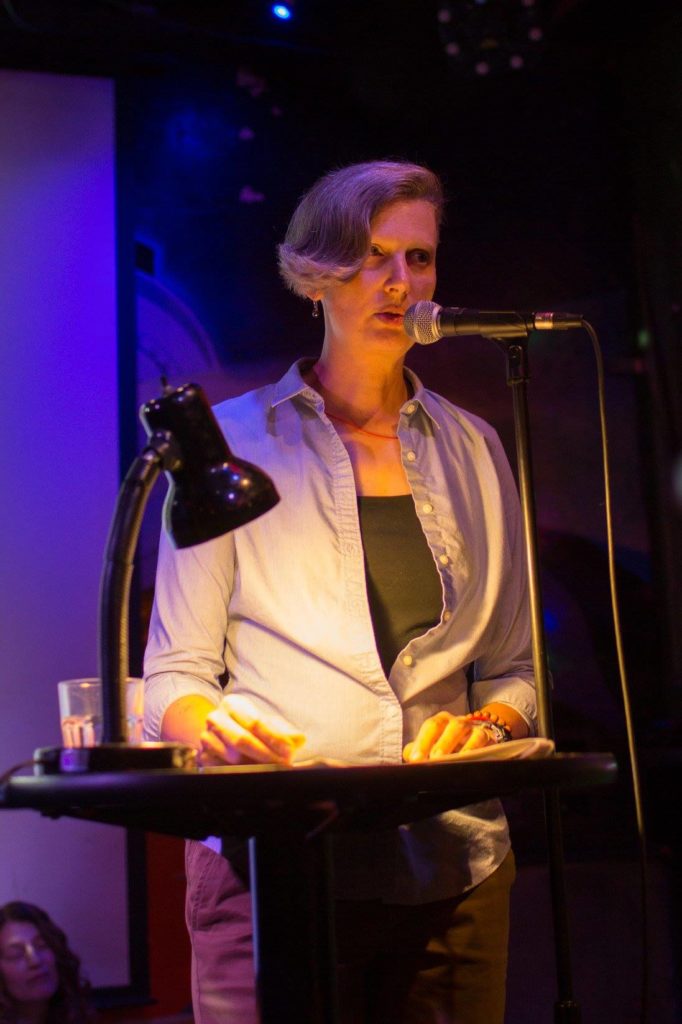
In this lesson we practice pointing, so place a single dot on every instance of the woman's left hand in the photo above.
(443, 734)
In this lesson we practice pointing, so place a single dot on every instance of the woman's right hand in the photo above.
(237, 733)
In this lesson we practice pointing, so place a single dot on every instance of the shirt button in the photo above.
(411, 407)
(407, 660)
(410, 456)
(443, 559)
(427, 507)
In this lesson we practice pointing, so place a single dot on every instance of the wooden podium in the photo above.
(289, 815)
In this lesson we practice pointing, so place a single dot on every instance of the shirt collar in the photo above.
(419, 395)
(292, 384)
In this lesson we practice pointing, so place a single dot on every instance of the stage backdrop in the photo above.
(59, 466)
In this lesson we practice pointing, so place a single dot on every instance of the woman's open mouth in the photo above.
(388, 317)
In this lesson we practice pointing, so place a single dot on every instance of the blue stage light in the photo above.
(282, 11)
(551, 621)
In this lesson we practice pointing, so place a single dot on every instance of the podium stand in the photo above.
(288, 815)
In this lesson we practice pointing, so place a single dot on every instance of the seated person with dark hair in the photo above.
(40, 977)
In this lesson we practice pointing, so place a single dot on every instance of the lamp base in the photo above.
(113, 757)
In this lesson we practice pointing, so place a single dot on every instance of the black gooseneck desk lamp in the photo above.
(211, 492)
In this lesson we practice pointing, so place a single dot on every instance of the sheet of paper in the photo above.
(532, 747)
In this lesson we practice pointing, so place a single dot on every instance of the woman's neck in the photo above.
(374, 392)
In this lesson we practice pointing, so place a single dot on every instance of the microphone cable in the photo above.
(622, 673)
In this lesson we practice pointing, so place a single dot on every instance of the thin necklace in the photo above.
(349, 423)
(361, 430)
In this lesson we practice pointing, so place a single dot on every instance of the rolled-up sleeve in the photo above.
(185, 650)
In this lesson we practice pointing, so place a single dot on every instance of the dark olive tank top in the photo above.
(403, 583)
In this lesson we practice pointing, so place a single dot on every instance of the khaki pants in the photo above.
(438, 963)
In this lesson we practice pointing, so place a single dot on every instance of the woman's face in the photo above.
(27, 964)
(399, 269)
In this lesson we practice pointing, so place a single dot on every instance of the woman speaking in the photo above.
(378, 613)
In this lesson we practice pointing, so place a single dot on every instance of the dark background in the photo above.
(564, 175)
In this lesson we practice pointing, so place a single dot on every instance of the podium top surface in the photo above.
(250, 799)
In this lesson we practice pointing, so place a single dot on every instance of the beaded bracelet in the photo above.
(497, 731)
(494, 724)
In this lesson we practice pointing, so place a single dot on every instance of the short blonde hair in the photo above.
(329, 232)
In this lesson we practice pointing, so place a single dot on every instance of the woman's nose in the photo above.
(398, 276)
(33, 955)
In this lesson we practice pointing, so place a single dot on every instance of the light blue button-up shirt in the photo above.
(281, 604)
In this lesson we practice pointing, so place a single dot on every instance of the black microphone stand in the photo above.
(566, 1009)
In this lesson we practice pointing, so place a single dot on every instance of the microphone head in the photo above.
(421, 322)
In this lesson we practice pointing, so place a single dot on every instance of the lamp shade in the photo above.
(211, 491)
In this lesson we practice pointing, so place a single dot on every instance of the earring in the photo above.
(316, 309)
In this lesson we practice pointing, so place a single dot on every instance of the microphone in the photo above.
(426, 322)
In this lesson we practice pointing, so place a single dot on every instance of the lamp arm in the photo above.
(161, 453)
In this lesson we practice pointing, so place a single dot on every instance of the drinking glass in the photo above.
(80, 710)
